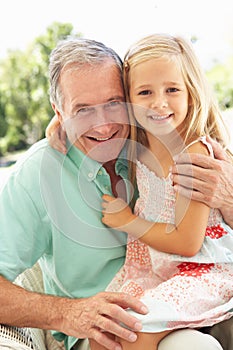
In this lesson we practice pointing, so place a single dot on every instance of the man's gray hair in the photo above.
(79, 51)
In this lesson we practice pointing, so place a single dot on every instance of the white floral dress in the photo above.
(179, 291)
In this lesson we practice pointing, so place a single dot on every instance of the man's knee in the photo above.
(189, 339)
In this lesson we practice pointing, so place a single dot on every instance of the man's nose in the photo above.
(102, 116)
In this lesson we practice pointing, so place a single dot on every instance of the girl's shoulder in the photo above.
(200, 145)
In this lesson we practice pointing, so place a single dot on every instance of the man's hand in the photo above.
(97, 316)
(207, 180)
(94, 317)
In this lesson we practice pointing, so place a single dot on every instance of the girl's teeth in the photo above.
(102, 138)
(156, 117)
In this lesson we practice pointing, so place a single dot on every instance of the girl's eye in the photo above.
(144, 92)
(172, 90)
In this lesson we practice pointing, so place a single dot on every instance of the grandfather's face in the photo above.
(94, 113)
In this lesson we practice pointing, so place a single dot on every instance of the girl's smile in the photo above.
(158, 94)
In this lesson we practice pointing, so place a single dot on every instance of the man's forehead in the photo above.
(81, 67)
(88, 87)
(91, 76)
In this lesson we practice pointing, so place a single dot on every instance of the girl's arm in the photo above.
(185, 237)
(56, 135)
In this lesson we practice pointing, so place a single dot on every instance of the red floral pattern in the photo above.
(133, 289)
(194, 269)
(215, 232)
(138, 252)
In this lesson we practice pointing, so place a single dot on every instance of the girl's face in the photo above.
(159, 95)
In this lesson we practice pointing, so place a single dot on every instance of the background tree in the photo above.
(25, 109)
(221, 78)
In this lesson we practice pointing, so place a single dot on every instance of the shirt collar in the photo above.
(90, 167)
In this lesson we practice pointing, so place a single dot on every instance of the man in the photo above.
(50, 210)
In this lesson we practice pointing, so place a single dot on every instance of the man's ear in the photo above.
(57, 113)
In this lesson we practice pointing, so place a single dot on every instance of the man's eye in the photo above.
(85, 111)
(114, 105)
(144, 92)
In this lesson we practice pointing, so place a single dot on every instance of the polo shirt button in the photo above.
(90, 175)
(100, 172)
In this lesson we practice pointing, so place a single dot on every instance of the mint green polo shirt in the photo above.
(50, 210)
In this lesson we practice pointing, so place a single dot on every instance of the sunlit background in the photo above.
(118, 23)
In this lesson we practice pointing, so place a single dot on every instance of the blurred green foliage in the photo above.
(25, 110)
(221, 78)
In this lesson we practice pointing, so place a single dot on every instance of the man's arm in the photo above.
(80, 318)
(206, 179)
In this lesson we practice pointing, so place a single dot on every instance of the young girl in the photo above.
(180, 253)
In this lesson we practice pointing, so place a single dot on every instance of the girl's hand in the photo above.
(116, 213)
(56, 135)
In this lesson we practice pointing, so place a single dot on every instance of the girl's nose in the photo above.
(159, 102)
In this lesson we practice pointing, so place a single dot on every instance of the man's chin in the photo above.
(106, 152)
(104, 156)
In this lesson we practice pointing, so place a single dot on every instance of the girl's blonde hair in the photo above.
(204, 116)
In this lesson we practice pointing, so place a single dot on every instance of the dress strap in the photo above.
(204, 141)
